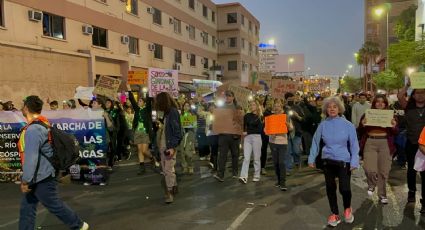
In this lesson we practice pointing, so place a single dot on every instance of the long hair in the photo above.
(182, 107)
(411, 103)
(164, 102)
(380, 96)
(259, 111)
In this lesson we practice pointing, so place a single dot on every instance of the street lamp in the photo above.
(379, 11)
(290, 61)
(410, 70)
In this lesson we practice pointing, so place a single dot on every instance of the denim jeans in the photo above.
(46, 192)
(252, 144)
(294, 152)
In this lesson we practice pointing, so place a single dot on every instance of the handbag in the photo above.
(419, 161)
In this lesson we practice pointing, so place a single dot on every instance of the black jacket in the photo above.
(173, 129)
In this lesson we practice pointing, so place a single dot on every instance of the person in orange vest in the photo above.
(421, 143)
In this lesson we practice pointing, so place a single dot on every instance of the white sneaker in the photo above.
(102, 184)
(243, 180)
(87, 184)
(370, 192)
(256, 179)
(85, 226)
(384, 200)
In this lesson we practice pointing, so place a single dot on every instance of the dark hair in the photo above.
(184, 103)
(164, 102)
(362, 94)
(375, 99)
(319, 98)
(411, 103)
(73, 105)
(54, 103)
(34, 104)
(231, 93)
(288, 95)
(99, 101)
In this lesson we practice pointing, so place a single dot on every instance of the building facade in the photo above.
(420, 20)
(267, 54)
(50, 47)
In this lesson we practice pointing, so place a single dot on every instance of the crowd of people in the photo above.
(332, 131)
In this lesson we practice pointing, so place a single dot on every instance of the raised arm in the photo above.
(132, 99)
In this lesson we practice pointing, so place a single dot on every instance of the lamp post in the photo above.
(290, 61)
(379, 11)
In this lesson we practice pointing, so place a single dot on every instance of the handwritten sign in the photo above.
(85, 93)
(188, 120)
(417, 80)
(241, 95)
(205, 86)
(137, 77)
(162, 80)
(107, 86)
(280, 87)
(379, 117)
(228, 121)
(276, 124)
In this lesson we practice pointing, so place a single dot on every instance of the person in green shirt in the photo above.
(187, 145)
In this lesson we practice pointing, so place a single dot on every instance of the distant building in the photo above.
(267, 54)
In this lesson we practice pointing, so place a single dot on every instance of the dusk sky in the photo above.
(328, 32)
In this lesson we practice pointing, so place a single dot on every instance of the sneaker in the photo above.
(283, 187)
(243, 180)
(383, 200)
(169, 198)
(370, 192)
(263, 171)
(102, 184)
(218, 178)
(87, 184)
(334, 220)
(129, 155)
(411, 197)
(277, 185)
(348, 216)
(202, 158)
(211, 165)
(85, 226)
(255, 179)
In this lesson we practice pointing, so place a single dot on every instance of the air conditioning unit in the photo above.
(35, 16)
(125, 40)
(150, 10)
(88, 30)
(176, 66)
(188, 56)
(151, 47)
(171, 21)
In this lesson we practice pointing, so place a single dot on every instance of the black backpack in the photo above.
(66, 149)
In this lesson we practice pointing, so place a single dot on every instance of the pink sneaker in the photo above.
(348, 216)
(334, 220)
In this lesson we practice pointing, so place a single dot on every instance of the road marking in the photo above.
(238, 221)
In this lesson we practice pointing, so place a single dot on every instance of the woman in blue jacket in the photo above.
(340, 154)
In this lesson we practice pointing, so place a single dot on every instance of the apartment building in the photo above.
(267, 53)
(50, 47)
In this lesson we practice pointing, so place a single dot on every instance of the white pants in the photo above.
(252, 143)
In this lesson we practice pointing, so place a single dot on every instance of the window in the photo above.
(232, 65)
(192, 32)
(131, 6)
(212, 16)
(53, 26)
(250, 49)
(250, 26)
(232, 42)
(205, 63)
(178, 56)
(192, 4)
(205, 38)
(1, 13)
(232, 18)
(256, 50)
(157, 19)
(256, 30)
(100, 37)
(243, 43)
(205, 11)
(158, 51)
(213, 41)
(133, 45)
(242, 19)
(192, 60)
(177, 26)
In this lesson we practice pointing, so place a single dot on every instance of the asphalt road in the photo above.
(137, 202)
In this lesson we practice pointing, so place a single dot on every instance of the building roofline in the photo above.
(239, 5)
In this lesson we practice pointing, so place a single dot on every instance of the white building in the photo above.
(267, 57)
(420, 19)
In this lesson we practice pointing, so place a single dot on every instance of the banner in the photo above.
(280, 87)
(86, 125)
(204, 87)
(137, 77)
(107, 86)
(188, 120)
(417, 80)
(241, 95)
(275, 124)
(84, 93)
(379, 117)
(162, 80)
(228, 121)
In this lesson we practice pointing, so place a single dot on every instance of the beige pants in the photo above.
(377, 164)
(167, 164)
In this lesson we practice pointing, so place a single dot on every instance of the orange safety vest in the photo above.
(21, 142)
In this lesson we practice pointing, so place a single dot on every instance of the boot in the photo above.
(169, 198)
(142, 169)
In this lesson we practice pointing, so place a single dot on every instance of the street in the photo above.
(136, 202)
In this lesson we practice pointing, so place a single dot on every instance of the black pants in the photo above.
(265, 140)
(332, 171)
(411, 150)
(203, 147)
(228, 142)
(213, 142)
(279, 154)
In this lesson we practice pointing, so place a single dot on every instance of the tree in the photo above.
(388, 80)
(405, 24)
(351, 84)
(406, 54)
(368, 54)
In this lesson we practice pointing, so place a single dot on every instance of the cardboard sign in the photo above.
(228, 121)
(275, 124)
(241, 95)
(204, 87)
(188, 120)
(137, 77)
(280, 87)
(417, 80)
(379, 117)
(84, 93)
(162, 80)
(107, 86)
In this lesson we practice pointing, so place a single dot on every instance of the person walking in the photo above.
(359, 108)
(38, 183)
(212, 138)
(187, 146)
(340, 156)
(421, 143)
(268, 105)
(253, 126)
(377, 145)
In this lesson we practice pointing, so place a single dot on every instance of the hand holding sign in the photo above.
(379, 117)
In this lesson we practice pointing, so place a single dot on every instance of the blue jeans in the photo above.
(46, 193)
(294, 152)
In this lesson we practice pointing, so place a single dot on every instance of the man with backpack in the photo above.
(38, 183)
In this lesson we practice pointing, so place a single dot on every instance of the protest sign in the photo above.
(241, 95)
(228, 121)
(275, 124)
(280, 87)
(107, 86)
(379, 117)
(417, 80)
(265, 80)
(84, 93)
(137, 77)
(162, 80)
(188, 120)
(204, 87)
